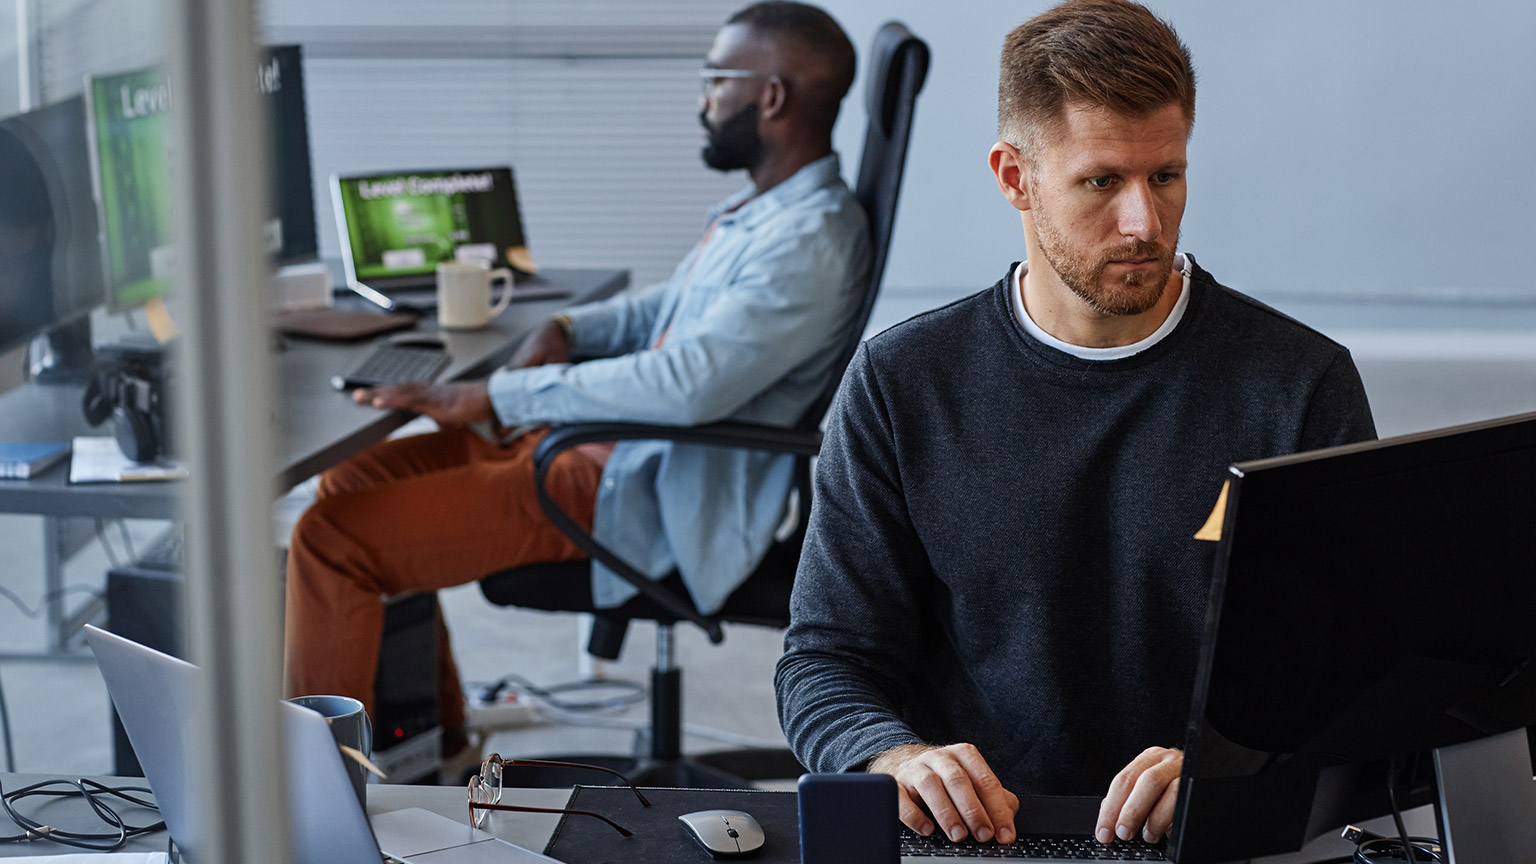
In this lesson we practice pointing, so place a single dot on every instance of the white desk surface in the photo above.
(530, 830)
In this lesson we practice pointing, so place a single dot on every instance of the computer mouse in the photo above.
(724, 833)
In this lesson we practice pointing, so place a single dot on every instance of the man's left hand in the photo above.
(1141, 797)
(456, 404)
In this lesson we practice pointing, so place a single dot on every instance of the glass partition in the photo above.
(137, 237)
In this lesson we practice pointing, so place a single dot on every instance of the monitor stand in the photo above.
(1486, 800)
(63, 355)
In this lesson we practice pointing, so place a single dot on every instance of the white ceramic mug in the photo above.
(464, 294)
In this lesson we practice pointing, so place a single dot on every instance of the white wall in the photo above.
(1342, 149)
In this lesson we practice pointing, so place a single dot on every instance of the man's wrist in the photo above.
(887, 761)
(567, 326)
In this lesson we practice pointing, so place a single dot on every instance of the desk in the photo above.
(533, 830)
(319, 427)
(529, 830)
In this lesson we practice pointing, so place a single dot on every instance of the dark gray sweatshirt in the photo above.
(1002, 546)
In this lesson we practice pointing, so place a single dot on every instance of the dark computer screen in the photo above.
(290, 231)
(50, 259)
(1370, 602)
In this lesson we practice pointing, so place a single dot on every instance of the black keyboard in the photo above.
(394, 364)
(1040, 847)
(164, 553)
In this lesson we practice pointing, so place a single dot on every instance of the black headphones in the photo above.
(128, 385)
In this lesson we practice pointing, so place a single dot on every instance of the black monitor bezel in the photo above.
(1292, 811)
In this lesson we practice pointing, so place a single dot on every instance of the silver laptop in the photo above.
(156, 696)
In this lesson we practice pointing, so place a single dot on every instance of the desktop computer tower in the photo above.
(407, 733)
(145, 604)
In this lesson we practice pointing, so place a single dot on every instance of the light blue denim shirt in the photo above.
(753, 318)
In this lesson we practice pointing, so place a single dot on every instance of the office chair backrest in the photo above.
(898, 64)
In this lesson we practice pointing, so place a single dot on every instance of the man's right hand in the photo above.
(548, 344)
(956, 785)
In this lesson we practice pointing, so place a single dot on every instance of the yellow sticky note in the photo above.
(1211, 530)
(518, 257)
(160, 322)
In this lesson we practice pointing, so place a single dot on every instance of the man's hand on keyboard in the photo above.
(458, 404)
(1142, 797)
(957, 786)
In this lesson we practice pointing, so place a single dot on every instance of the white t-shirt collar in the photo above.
(1118, 352)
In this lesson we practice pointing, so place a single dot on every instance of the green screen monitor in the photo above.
(395, 228)
(129, 114)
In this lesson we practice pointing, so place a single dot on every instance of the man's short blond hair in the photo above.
(1111, 54)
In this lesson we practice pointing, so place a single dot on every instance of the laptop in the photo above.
(396, 228)
(156, 694)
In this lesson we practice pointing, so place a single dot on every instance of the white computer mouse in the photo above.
(724, 833)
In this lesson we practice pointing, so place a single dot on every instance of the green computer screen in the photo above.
(404, 224)
(128, 115)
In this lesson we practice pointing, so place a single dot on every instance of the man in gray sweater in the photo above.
(1001, 591)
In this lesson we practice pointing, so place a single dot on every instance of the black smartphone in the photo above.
(849, 819)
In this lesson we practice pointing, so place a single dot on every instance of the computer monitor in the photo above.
(131, 166)
(1370, 603)
(50, 260)
(395, 228)
(131, 160)
(290, 231)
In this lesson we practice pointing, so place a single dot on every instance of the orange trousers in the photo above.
(415, 514)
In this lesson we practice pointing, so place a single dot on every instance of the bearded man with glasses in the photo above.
(747, 328)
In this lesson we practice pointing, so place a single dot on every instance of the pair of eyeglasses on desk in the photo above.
(485, 790)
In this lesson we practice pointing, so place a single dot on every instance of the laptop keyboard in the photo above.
(1050, 847)
(394, 364)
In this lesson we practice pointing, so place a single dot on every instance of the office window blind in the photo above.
(593, 102)
(10, 73)
(605, 152)
(80, 37)
(492, 13)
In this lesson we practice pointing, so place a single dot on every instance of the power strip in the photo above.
(509, 712)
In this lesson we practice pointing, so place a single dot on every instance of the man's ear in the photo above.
(1011, 170)
(772, 102)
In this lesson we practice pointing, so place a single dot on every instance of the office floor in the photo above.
(1417, 379)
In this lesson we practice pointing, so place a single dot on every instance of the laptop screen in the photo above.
(404, 224)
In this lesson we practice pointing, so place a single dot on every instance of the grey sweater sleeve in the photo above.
(840, 682)
(1338, 411)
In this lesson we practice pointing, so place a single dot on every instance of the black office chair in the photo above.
(898, 65)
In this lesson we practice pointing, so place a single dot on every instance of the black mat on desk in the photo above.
(659, 837)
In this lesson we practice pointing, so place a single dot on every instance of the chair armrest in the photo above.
(751, 436)
(740, 435)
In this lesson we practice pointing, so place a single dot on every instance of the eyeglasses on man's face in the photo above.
(485, 790)
(710, 77)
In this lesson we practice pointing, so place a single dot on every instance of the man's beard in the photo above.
(735, 144)
(1134, 293)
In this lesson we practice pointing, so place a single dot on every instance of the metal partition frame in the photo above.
(234, 598)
